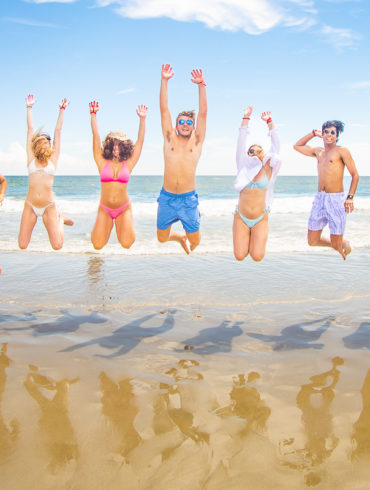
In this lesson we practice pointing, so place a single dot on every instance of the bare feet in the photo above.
(346, 249)
(184, 243)
(68, 222)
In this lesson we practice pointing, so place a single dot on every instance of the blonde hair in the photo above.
(38, 147)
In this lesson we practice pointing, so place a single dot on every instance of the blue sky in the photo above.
(306, 61)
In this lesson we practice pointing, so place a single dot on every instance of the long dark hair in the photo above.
(125, 148)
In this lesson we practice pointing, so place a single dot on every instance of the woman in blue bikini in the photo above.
(255, 180)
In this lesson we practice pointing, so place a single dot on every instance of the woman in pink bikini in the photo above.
(115, 162)
(42, 159)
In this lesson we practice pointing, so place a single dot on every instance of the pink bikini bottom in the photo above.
(114, 213)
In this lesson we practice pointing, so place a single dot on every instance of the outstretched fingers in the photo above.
(197, 77)
(265, 116)
(30, 100)
(142, 110)
(167, 71)
(63, 104)
(94, 107)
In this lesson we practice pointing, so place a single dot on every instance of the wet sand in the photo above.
(115, 376)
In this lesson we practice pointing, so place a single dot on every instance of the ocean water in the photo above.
(78, 197)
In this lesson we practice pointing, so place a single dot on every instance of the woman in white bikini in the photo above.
(255, 180)
(42, 159)
(115, 162)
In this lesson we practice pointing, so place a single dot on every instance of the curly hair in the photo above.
(338, 125)
(190, 114)
(125, 148)
(41, 153)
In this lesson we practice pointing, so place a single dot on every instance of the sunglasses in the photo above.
(189, 122)
(327, 131)
(252, 151)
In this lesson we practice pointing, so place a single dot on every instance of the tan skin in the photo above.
(115, 194)
(40, 191)
(331, 162)
(182, 149)
(252, 241)
(3, 186)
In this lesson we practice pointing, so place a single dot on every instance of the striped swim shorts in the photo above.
(328, 208)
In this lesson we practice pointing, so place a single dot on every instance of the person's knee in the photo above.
(127, 242)
(240, 255)
(57, 245)
(162, 236)
(98, 245)
(312, 240)
(257, 256)
(22, 244)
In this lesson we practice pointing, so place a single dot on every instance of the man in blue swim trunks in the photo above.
(178, 200)
(331, 205)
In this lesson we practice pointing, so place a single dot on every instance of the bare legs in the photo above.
(53, 222)
(168, 235)
(336, 242)
(104, 224)
(250, 241)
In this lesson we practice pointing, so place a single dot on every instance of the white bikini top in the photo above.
(49, 169)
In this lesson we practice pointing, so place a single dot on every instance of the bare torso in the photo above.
(330, 169)
(252, 201)
(181, 156)
(40, 186)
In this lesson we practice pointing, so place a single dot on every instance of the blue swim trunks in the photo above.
(178, 207)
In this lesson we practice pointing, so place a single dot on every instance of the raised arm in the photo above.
(351, 167)
(302, 147)
(242, 138)
(167, 127)
(3, 186)
(97, 149)
(275, 141)
(141, 111)
(29, 104)
(58, 131)
(200, 130)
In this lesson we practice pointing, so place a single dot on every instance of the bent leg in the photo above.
(194, 239)
(125, 228)
(102, 229)
(168, 235)
(54, 225)
(340, 245)
(28, 222)
(258, 239)
(241, 237)
(314, 239)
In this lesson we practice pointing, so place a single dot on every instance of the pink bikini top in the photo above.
(106, 174)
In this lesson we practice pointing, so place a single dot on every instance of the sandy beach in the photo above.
(184, 372)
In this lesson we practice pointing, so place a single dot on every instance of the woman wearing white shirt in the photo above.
(255, 180)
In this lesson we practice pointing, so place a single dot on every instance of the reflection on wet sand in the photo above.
(95, 271)
(315, 400)
(8, 435)
(119, 405)
(56, 430)
(361, 428)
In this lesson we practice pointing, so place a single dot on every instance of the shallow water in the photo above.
(184, 372)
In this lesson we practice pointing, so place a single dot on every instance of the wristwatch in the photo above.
(350, 196)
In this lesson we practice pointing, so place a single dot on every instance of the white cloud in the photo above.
(359, 85)
(13, 160)
(340, 38)
(33, 23)
(253, 17)
(125, 91)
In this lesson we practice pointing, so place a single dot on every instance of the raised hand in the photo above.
(30, 100)
(142, 111)
(248, 111)
(266, 116)
(94, 107)
(167, 72)
(317, 132)
(198, 77)
(63, 104)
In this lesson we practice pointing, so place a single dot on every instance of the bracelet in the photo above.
(313, 132)
(350, 196)
(29, 107)
(62, 108)
(269, 120)
(246, 117)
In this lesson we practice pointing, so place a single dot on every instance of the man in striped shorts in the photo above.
(330, 205)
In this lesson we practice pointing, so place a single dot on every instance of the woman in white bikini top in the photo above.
(42, 159)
